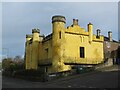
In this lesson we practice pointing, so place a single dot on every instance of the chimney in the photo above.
(98, 33)
(110, 35)
(75, 21)
(90, 31)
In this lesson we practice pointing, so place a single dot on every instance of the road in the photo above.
(102, 79)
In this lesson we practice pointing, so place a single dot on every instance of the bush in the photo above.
(10, 65)
(33, 75)
(28, 72)
(84, 69)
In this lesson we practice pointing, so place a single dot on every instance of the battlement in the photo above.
(29, 36)
(35, 30)
(58, 18)
(90, 23)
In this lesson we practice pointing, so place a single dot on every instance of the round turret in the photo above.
(58, 18)
(35, 33)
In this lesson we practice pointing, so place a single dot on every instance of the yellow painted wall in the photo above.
(64, 48)
(44, 56)
(27, 60)
(93, 51)
(28, 52)
(58, 48)
(35, 57)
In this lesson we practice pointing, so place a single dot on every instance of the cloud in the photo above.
(20, 18)
(119, 21)
(59, 0)
(0, 27)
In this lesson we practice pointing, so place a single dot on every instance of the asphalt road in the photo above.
(103, 79)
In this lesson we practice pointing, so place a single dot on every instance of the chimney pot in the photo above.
(98, 33)
(75, 21)
(110, 35)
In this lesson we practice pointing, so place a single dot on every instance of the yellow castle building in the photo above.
(64, 47)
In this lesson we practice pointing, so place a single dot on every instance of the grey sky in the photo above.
(119, 21)
(0, 30)
(59, 0)
(19, 18)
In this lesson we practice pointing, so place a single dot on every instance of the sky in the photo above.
(19, 18)
(118, 21)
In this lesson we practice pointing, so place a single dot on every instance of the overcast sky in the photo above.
(18, 19)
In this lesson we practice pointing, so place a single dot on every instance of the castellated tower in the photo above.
(58, 42)
(35, 48)
(27, 52)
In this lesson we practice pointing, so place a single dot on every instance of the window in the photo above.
(82, 52)
(46, 52)
(60, 35)
(46, 69)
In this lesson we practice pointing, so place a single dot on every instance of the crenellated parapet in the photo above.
(36, 33)
(75, 28)
(96, 39)
(28, 37)
(58, 18)
(35, 30)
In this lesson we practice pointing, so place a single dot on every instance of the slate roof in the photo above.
(107, 39)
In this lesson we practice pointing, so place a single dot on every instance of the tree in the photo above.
(9, 64)
(118, 52)
(6, 64)
(17, 58)
(0, 65)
